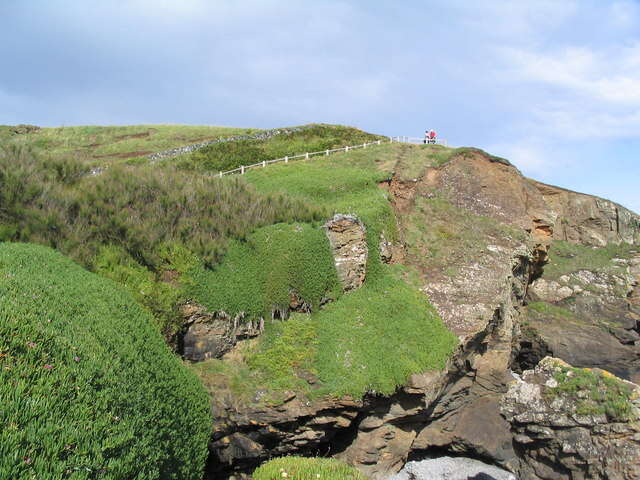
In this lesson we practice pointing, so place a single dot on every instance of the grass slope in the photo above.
(87, 386)
(359, 343)
(137, 225)
(98, 145)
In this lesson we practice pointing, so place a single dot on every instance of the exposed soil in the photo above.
(124, 154)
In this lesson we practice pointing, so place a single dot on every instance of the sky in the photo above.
(552, 85)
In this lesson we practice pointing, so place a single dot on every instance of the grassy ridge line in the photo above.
(87, 386)
(98, 145)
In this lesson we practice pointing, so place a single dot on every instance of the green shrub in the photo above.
(229, 155)
(141, 213)
(87, 386)
(301, 468)
(257, 276)
(595, 392)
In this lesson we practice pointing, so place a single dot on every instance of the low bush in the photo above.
(229, 155)
(301, 468)
(257, 276)
(88, 388)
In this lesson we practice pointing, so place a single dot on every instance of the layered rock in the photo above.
(557, 438)
(347, 236)
(597, 324)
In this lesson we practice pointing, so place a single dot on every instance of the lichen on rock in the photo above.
(347, 236)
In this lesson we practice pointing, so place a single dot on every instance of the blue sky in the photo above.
(552, 85)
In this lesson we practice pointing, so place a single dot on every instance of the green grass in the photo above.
(548, 309)
(301, 468)
(88, 388)
(230, 155)
(566, 258)
(259, 274)
(98, 145)
(595, 393)
(358, 343)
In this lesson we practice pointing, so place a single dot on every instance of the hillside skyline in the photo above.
(551, 86)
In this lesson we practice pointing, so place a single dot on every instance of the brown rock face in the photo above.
(589, 220)
(347, 236)
(555, 442)
(211, 335)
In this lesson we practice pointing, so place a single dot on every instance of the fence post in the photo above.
(306, 156)
(220, 173)
(378, 142)
(364, 145)
(346, 149)
(327, 152)
(264, 163)
(241, 169)
(286, 159)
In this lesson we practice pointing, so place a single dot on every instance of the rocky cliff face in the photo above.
(568, 429)
(478, 235)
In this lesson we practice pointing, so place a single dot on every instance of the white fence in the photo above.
(243, 168)
(437, 141)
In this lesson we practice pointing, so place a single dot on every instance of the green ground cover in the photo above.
(566, 258)
(98, 145)
(301, 468)
(359, 343)
(88, 388)
(138, 225)
(596, 392)
(315, 138)
(258, 274)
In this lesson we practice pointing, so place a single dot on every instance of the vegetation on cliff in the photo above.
(339, 347)
(301, 468)
(87, 386)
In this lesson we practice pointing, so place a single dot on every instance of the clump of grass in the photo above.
(258, 276)
(566, 258)
(230, 155)
(545, 308)
(88, 388)
(301, 468)
(595, 392)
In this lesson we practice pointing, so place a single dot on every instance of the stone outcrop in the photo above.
(555, 441)
(589, 220)
(451, 468)
(601, 326)
(348, 238)
(211, 335)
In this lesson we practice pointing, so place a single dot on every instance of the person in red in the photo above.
(430, 136)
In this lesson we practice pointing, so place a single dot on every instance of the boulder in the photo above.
(347, 236)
